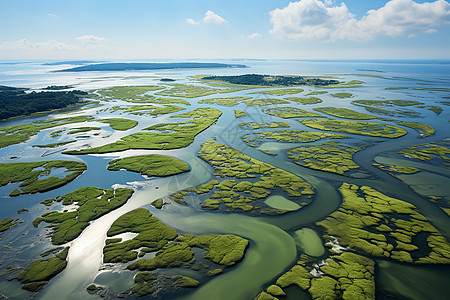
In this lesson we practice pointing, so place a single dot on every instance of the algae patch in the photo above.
(309, 242)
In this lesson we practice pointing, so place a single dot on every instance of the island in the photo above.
(147, 66)
(271, 80)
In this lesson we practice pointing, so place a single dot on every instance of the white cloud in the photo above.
(314, 19)
(192, 22)
(25, 44)
(210, 17)
(90, 39)
(255, 36)
(54, 16)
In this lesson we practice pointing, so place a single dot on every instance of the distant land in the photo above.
(271, 80)
(72, 62)
(147, 66)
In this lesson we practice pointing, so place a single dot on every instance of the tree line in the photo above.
(16, 102)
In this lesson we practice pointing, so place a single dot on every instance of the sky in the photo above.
(218, 29)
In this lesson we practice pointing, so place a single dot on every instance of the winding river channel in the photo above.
(273, 249)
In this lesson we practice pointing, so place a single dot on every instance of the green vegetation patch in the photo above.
(20, 133)
(90, 203)
(290, 112)
(420, 89)
(344, 113)
(375, 224)
(305, 101)
(271, 80)
(399, 110)
(280, 92)
(170, 101)
(120, 123)
(82, 129)
(153, 235)
(225, 101)
(54, 145)
(396, 113)
(29, 174)
(185, 282)
(39, 272)
(6, 224)
(239, 113)
(163, 135)
(348, 84)
(344, 276)
(264, 102)
(355, 127)
(150, 165)
(254, 125)
(144, 284)
(152, 110)
(313, 93)
(158, 203)
(424, 129)
(389, 103)
(248, 182)
(334, 157)
(397, 169)
(342, 95)
(288, 136)
(222, 249)
(193, 91)
(130, 93)
(436, 109)
(430, 151)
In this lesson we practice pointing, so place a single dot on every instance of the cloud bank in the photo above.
(314, 19)
(90, 39)
(210, 17)
(24, 44)
(87, 42)
(255, 35)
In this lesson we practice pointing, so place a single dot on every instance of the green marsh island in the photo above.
(170, 181)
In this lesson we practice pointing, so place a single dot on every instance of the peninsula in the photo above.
(147, 66)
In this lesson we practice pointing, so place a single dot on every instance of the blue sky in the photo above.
(183, 29)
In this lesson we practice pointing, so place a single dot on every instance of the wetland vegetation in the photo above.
(248, 182)
(39, 272)
(226, 101)
(120, 123)
(335, 157)
(288, 136)
(286, 112)
(344, 113)
(36, 177)
(355, 127)
(90, 203)
(164, 135)
(150, 165)
(16, 134)
(305, 101)
(172, 250)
